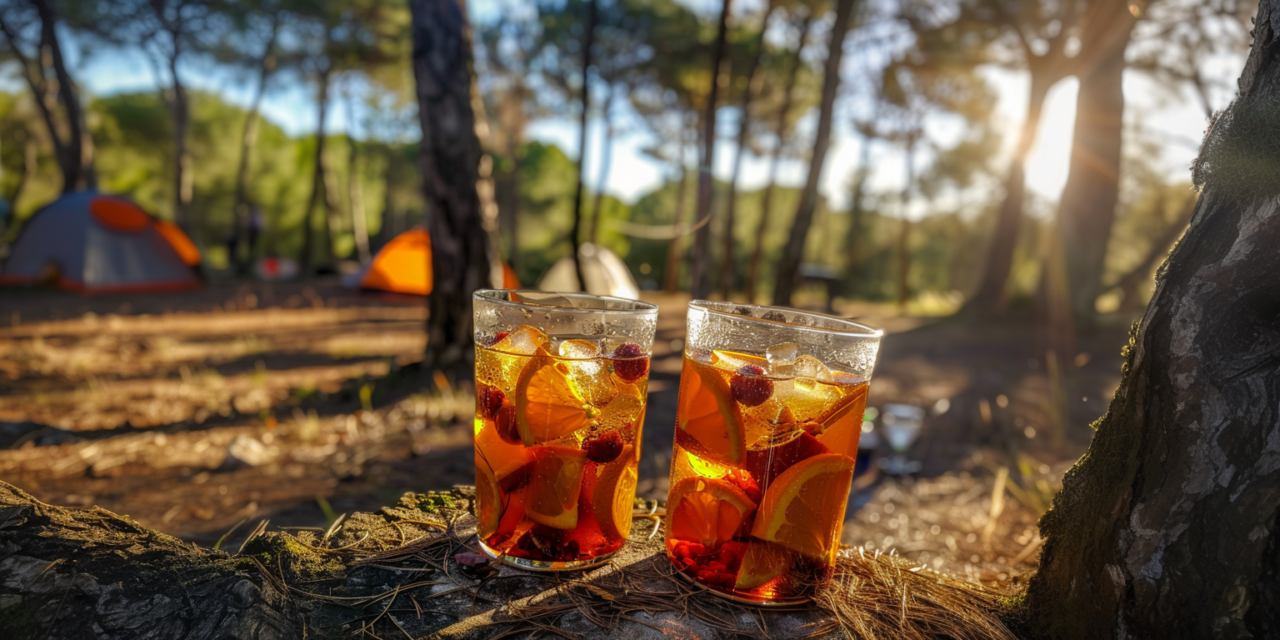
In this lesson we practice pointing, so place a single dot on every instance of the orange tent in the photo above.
(404, 266)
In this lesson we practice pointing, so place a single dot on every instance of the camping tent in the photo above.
(94, 243)
(404, 266)
(604, 272)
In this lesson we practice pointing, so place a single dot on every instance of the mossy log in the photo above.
(1167, 527)
(83, 574)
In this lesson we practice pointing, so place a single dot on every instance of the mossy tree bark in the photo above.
(449, 158)
(1167, 527)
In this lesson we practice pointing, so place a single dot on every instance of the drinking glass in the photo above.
(561, 381)
(902, 424)
(767, 428)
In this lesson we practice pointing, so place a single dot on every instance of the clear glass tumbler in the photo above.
(767, 428)
(561, 383)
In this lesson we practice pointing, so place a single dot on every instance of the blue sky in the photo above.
(1176, 120)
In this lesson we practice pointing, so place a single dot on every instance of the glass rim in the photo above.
(856, 329)
(497, 296)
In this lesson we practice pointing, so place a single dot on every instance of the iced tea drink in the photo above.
(561, 382)
(767, 428)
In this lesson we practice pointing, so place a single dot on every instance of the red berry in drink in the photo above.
(629, 362)
(603, 448)
(506, 424)
(489, 399)
(496, 338)
(749, 387)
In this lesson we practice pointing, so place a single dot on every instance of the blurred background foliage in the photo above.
(917, 84)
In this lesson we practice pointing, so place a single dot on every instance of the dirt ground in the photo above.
(201, 413)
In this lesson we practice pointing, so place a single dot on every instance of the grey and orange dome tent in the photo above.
(94, 243)
(404, 266)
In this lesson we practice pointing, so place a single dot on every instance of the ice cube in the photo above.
(588, 372)
(782, 358)
(525, 340)
(809, 371)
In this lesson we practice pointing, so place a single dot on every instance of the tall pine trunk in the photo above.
(755, 82)
(991, 294)
(1167, 527)
(780, 131)
(584, 117)
(248, 138)
(76, 173)
(606, 159)
(1089, 199)
(449, 158)
(319, 185)
(793, 252)
(699, 278)
(180, 107)
(671, 274)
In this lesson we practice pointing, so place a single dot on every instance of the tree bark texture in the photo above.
(780, 131)
(755, 82)
(1167, 527)
(992, 294)
(449, 158)
(699, 270)
(1089, 199)
(793, 252)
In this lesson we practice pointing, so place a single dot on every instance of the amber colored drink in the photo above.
(557, 439)
(762, 464)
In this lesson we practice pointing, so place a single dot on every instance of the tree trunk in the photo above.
(991, 294)
(904, 229)
(1167, 527)
(780, 131)
(576, 233)
(182, 178)
(606, 159)
(72, 157)
(355, 193)
(449, 155)
(355, 201)
(853, 236)
(248, 138)
(793, 252)
(755, 82)
(319, 188)
(699, 278)
(671, 274)
(1089, 199)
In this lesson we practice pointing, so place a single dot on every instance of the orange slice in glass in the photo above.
(708, 414)
(762, 563)
(842, 422)
(706, 510)
(803, 509)
(552, 494)
(615, 495)
(547, 407)
(500, 457)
